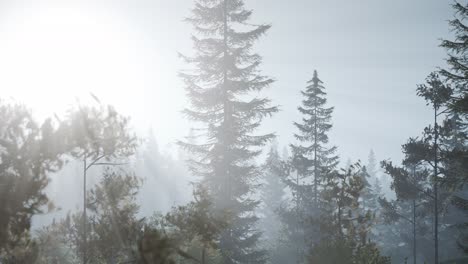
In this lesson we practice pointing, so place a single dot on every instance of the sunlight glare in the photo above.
(51, 56)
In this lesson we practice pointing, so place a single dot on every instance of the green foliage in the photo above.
(341, 212)
(157, 248)
(28, 153)
(457, 50)
(114, 229)
(311, 162)
(346, 252)
(198, 220)
(97, 132)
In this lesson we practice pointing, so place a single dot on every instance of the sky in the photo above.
(370, 54)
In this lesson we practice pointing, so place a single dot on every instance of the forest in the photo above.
(230, 192)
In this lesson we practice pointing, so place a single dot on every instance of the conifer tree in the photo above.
(372, 164)
(311, 161)
(457, 50)
(427, 150)
(97, 136)
(412, 206)
(344, 225)
(29, 152)
(454, 131)
(272, 192)
(225, 71)
(273, 198)
(312, 158)
(114, 228)
(196, 225)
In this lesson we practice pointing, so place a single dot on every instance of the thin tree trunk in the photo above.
(203, 256)
(436, 198)
(85, 257)
(315, 158)
(226, 103)
(414, 231)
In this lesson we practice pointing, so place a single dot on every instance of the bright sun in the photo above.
(50, 56)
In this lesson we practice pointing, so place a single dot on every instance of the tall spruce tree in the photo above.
(457, 50)
(454, 132)
(312, 159)
(225, 71)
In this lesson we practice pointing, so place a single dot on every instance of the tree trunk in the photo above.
(414, 231)
(436, 198)
(203, 256)
(85, 249)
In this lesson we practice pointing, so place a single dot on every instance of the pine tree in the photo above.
(29, 153)
(454, 131)
(273, 198)
(372, 169)
(272, 193)
(412, 206)
(344, 224)
(225, 72)
(310, 163)
(457, 60)
(427, 150)
(96, 136)
(312, 157)
(114, 228)
(198, 226)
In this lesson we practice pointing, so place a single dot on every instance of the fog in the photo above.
(335, 101)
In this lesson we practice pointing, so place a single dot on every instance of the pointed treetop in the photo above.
(315, 79)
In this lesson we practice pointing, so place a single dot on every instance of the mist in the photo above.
(233, 131)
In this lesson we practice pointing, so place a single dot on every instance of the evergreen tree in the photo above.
(272, 197)
(29, 152)
(272, 193)
(368, 197)
(411, 208)
(113, 226)
(344, 225)
(457, 50)
(427, 150)
(97, 136)
(198, 227)
(312, 160)
(225, 72)
(312, 157)
(454, 131)
(372, 168)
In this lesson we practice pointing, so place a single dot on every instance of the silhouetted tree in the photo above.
(457, 50)
(426, 150)
(455, 129)
(225, 72)
(412, 206)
